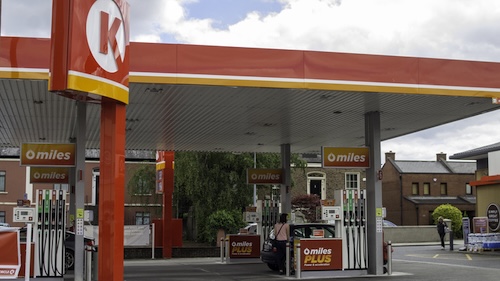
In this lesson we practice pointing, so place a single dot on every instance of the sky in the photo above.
(449, 29)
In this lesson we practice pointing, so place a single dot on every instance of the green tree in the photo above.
(229, 221)
(213, 181)
(448, 211)
(142, 189)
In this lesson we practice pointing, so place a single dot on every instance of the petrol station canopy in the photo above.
(229, 99)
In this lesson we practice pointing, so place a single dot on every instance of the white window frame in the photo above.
(468, 189)
(3, 180)
(316, 175)
(348, 181)
(142, 216)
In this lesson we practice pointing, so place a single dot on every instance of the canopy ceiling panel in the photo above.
(207, 98)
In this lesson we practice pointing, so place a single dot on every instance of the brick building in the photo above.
(411, 190)
(143, 208)
(15, 185)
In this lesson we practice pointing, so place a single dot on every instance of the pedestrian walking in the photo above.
(441, 229)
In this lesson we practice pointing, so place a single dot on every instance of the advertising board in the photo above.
(320, 254)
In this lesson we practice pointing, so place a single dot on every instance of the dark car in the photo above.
(299, 230)
(69, 246)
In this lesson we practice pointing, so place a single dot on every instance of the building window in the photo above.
(414, 188)
(468, 189)
(351, 180)
(2, 216)
(427, 188)
(61, 186)
(444, 188)
(2, 181)
(142, 218)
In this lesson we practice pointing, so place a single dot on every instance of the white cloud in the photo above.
(458, 29)
(452, 138)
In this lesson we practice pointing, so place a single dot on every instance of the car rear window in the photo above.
(306, 231)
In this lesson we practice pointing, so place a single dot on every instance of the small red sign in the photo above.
(9, 260)
(48, 154)
(49, 175)
(265, 176)
(321, 254)
(244, 246)
(344, 157)
(480, 224)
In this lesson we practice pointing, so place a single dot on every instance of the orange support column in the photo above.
(168, 190)
(111, 191)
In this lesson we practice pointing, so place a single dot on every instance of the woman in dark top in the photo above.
(282, 235)
(441, 229)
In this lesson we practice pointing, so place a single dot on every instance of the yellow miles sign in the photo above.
(48, 154)
(49, 175)
(264, 176)
(346, 157)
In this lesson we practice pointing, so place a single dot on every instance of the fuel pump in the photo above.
(352, 204)
(270, 212)
(50, 233)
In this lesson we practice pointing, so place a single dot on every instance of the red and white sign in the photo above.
(90, 61)
(10, 259)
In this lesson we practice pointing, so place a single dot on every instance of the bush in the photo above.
(230, 221)
(448, 211)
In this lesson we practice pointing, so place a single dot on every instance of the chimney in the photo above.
(391, 155)
(440, 156)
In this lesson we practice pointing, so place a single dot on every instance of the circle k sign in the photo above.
(108, 45)
(100, 67)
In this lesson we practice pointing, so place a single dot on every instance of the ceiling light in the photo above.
(154, 90)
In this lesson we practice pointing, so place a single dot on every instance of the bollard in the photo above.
(298, 262)
(88, 262)
(287, 259)
(451, 240)
(226, 245)
(152, 241)
(222, 250)
(389, 258)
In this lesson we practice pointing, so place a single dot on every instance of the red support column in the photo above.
(111, 191)
(168, 190)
